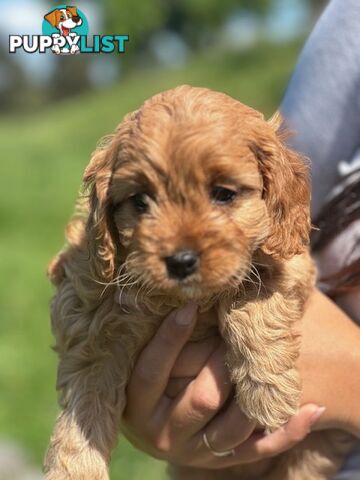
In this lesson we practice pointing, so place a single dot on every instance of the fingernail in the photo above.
(185, 315)
(317, 414)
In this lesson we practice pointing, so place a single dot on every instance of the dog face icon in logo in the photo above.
(62, 21)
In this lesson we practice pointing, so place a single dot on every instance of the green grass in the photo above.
(42, 160)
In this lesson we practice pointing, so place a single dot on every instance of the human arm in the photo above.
(329, 363)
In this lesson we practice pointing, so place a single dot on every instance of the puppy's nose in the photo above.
(76, 18)
(182, 264)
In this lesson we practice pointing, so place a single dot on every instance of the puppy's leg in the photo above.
(87, 428)
(92, 374)
(262, 350)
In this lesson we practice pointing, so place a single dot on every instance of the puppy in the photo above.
(64, 19)
(195, 197)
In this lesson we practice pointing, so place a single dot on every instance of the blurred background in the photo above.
(53, 110)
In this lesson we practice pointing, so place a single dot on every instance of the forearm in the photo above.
(334, 379)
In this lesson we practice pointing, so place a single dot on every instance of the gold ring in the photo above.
(216, 453)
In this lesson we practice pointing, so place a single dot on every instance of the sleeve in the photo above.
(322, 101)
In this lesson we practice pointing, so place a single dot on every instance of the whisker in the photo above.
(255, 272)
(260, 264)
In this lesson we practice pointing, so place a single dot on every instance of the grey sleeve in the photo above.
(322, 101)
(322, 104)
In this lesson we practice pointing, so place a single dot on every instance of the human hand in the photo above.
(168, 419)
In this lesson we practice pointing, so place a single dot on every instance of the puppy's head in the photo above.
(66, 17)
(188, 188)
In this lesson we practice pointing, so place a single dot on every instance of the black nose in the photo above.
(182, 264)
(76, 18)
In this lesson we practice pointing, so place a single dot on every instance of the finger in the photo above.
(260, 446)
(194, 356)
(153, 367)
(203, 397)
(229, 429)
(287, 436)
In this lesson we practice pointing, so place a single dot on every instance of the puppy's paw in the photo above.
(64, 461)
(74, 49)
(72, 472)
(56, 49)
(270, 404)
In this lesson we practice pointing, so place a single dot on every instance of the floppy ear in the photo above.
(96, 181)
(52, 18)
(102, 233)
(72, 10)
(286, 192)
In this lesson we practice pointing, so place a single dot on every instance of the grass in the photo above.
(43, 157)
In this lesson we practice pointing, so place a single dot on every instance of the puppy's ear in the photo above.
(52, 18)
(96, 181)
(73, 11)
(286, 191)
(101, 231)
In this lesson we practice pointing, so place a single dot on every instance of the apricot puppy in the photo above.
(194, 197)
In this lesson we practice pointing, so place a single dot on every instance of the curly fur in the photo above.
(254, 269)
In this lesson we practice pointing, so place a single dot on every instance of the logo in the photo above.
(65, 31)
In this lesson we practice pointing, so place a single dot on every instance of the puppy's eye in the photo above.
(62, 17)
(140, 202)
(222, 195)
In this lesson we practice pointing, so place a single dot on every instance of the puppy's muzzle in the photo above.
(182, 264)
